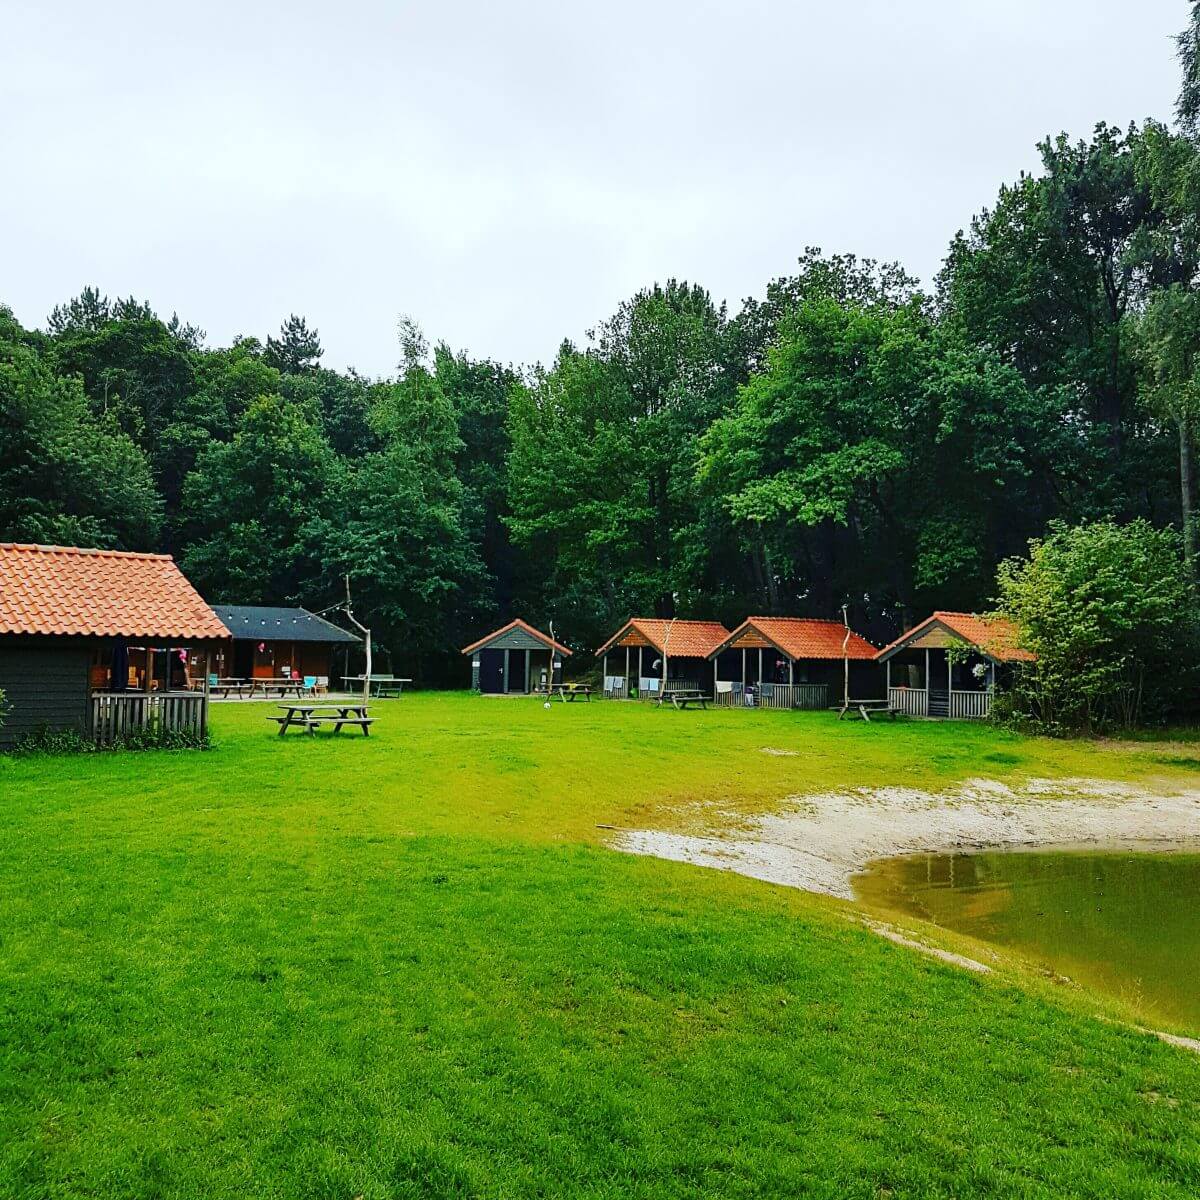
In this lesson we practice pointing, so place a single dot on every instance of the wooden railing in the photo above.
(970, 706)
(616, 689)
(794, 695)
(913, 702)
(777, 695)
(117, 715)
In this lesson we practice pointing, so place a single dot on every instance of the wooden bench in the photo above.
(864, 709)
(568, 691)
(310, 716)
(682, 697)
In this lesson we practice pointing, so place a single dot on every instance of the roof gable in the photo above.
(524, 627)
(71, 592)
(992, 636)
(674, 638)
(800, 638)
(267, 623)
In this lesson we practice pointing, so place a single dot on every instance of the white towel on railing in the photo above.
(724, 685)
(648, 683)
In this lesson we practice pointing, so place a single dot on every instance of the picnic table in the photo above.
(864, 709)
(568, 691)
(384, 685)
(239, 686)
(308, 715)
(682, 697)
(279, 687)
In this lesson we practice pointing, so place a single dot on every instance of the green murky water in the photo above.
(1125, 922)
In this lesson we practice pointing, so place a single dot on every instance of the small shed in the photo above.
(659, 653)
(794, 662)
(516, 658)
(951, 664)
(99, 642)
(274, 643)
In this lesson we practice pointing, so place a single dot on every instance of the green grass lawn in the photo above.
(407, 966)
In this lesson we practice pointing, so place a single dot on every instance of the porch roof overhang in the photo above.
(799, 639)
(671, 638)
(525, 627)
(990, 638)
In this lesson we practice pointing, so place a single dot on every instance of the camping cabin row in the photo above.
(948, 666)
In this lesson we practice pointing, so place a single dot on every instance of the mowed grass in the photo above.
(408, 966)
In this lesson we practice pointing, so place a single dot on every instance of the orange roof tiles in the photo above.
(517, 624)
(676, 639)
(807, 637)
(996, 637)
(66, 591)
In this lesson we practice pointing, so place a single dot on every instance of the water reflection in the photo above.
(1124, 922)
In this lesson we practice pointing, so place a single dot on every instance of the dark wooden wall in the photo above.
(45, 683)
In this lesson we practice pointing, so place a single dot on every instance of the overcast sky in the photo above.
(508, 172)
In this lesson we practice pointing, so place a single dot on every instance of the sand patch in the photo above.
(819, 842)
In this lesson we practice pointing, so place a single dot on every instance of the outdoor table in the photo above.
(568, 691)
(309, 715)
(864, 709)
(240, 686)
(279, 687)
(383, 684)
(682, 697)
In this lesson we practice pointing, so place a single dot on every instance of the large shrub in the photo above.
(1109, 610)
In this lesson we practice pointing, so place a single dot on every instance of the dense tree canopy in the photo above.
(844, 439)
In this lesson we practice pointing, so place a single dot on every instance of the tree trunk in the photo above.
(1187, 491)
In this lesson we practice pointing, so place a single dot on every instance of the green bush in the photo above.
(45, 740)
(1109, 610)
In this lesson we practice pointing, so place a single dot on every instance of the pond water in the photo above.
(1124, 922)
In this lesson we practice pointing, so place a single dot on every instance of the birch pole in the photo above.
(367, 638)
(846, 660)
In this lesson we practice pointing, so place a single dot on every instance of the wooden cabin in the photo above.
(280, 643)
(925, 679)
(99, 642)
(794, 662)
(657, 654)
(515, 659)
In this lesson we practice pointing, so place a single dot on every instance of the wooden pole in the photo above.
(367, 639)
(505, 685)
(846, 660)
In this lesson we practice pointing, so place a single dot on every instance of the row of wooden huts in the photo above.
(948, 665)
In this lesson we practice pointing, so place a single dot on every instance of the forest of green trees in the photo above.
(847, 437)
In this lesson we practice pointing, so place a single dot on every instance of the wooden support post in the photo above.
(927, 681)
(529, 665)
(791, 671)
(715, 661)
(760, 666)
(743, 668)
(504, 688)
(603, 672)
(889, 678)
(627, 670)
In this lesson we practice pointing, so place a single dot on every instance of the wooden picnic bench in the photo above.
(864, 709)
(682, 697)
(241, 687)
(309, 716)
(381, 685)
(568, 691)
(279, 687)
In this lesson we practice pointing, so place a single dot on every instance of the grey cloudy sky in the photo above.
(507, 173)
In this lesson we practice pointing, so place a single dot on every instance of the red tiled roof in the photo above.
(808, 637)
(517, 624)
(99, 593)
(676, 639)
(996, 637)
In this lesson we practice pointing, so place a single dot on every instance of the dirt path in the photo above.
(819, 842)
